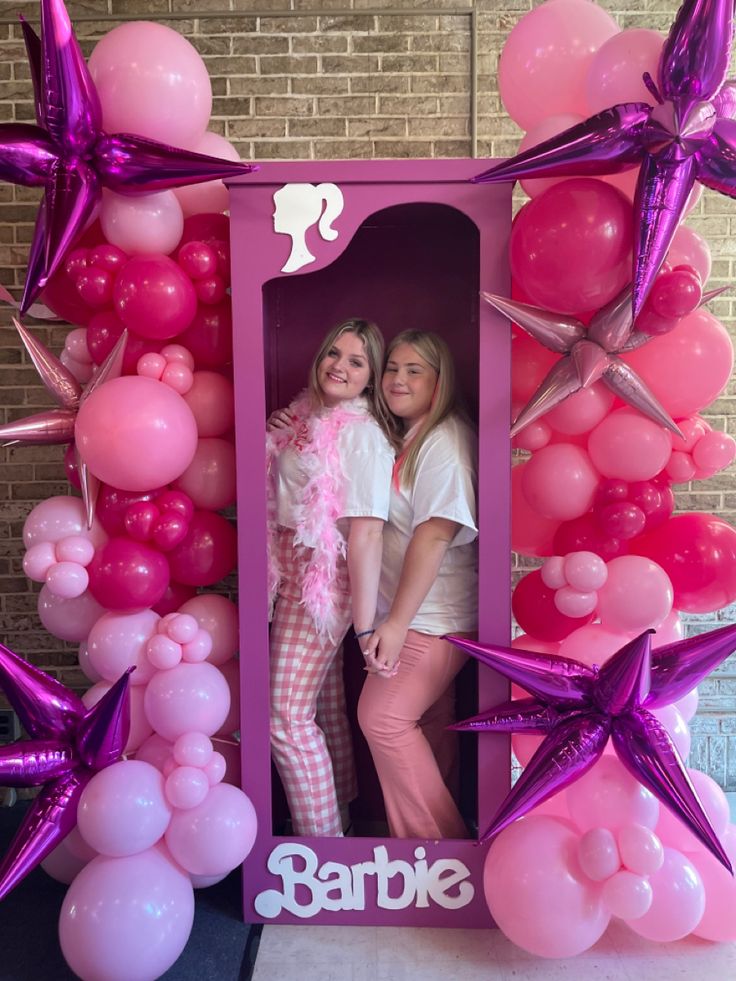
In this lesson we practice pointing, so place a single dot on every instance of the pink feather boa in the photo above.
(320, 504)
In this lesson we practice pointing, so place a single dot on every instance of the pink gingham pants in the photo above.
(310, 735)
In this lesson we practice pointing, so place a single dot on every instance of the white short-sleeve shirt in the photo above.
(366, 461)
(444, 487)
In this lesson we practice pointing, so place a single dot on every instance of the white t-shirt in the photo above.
(444, 487)
(366, 461)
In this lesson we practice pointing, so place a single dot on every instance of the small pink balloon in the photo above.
(186, 787)
(585, 571)
(163, 653)
(637, 594)
(572, 603)
(189, 697)
(178, 354)
(680, 467)
(627, 895)
(67, 579)
(219, 617)
(211, 400)
(215, 769)
(678, 900)
(608, 796)
(178, 377)
(216, 835)
(193, 749)
(640, 848)
(553, 572)
(68, 619)
(229, 749)
(598, 854)
(151, 365)
(713, 452)
(197, 259)
(182, 628)
(199, 648)
(532, 437)
(38, 560)
(75, 548)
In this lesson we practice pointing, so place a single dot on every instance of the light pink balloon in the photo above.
(533, 436)
(640, 848)
(537, 893)
(186, 787)
(527, 643)
(229, 749)
(126, 919)
(38, 560)
(136, 433)
(209, 480)
(543, 130)
(687, 706)
(75, 548)
(546, 57)
(215, 836)
(155, 750)
(598, 854)
(188, 698)
(671, 830)
(199, 648)
(636, 596)
(669, 631)
(140, 727)
(585, 570)
(151, 365)
(615, 71)
(627, 895)
(118, 641)
(211, 399)
(123, 809)
(559, 481)
(629, 446)
(62, 865)
(553, 572)
(713, 452)
(608, 796)
(193, 749)
(216, 769)
(525, 746)
(212, 196)
(151, 82)
(592, 644)
(231, 672)
(580, 412)
(68, 619)
(143, 224)
(219, 617)
(86, 665)
(719, 919)
(67, 579)
(689, 248)
(678, 900)
(531, 533)
(573, 603)
(57, 518)
(676, 726)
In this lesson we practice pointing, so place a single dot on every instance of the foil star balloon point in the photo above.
(577, 708)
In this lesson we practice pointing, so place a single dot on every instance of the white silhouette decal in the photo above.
(298, 207)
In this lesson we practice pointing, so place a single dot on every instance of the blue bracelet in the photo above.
(363, 633)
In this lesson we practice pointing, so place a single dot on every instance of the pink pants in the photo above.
(310, 735)
(404, 718)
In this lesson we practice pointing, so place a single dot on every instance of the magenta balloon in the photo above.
(176, 594)
(127, 575)
(112, 504)
(629, 446)
(559, 481)
(689, 367)
(136, 433)
(210, 478)
(208, 553)
(187, 698)
(126, 919)
(678, 900)
(584, 534)
(68, 619)
(536, 892)
(215, 836)
(219, 617)
(154, 297)
(570, 247)
(210, 336)
(546, 57)
(698, 553)
(211, 399)
(616, 69)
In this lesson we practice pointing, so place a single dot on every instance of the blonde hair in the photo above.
(436, 353)
(373, 344)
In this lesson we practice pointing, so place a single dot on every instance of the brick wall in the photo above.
(299, 79)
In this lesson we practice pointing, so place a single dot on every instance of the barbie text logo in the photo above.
(298, 207)
(307, 888)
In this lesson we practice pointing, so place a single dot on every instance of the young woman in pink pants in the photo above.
(428, 588)
(330, 463)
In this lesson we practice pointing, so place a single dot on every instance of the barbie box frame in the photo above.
(408, 243)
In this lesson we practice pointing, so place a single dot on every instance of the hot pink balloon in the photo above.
(136, 433)
(118, 641)
(559, 481)
(215, 836)
(127, 575)
(616, 69)
(637, 595)
(193, 749)
(608, 796)
(629, 446)
(154, 297)
(211, 400)
(207, 554)
(126, 919)
(210, 478)
(212, 196)
(144, 224)
(678, 900)
(68, 619)
(188, 698)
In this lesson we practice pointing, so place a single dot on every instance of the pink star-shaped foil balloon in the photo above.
(68, 745)
(56, 426)
(70, 155)
(579, 708)
(687, 135)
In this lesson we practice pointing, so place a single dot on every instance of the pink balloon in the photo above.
(188, 698)
(687, 706)
(128, 575)
(86, 665)
(215, 836)
(546, 57)
(208, 553)
(678, 900)
(62, 865)
(186, 787)
(231, 672)
(537, 893)
(553, 572)
(216, 769)
(580, 412)
(155, 750)
(229, 749)
(616, 69)
(689, 367)
(210, 478)
(718, 921)
(592, 644)
(123, 809)
(126, 919)
(689, 248)
(531, 533)
(585, 570)
(527, 643)
(559, 481)
(68, 619)
(713, 452)
(641, 849)
(636, 596)
(213, 195)
(143, 224)
(76, 548)
(669, 631)
(151, 82)
(627, 895)
(38, 561)
(58, 518)
(543, 130)
(67, 579)
(193, 749)
(154, 298)
(629, 446)
(533, 436)
(608, 796)
(598, 854)
(676, 726)
(118, 641)
(573, 603)
(136, 433)
(140, 727)
(673, 832)
(211, 400)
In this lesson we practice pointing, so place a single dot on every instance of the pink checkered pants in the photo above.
(310, 735)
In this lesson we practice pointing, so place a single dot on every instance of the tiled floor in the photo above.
(304, 953)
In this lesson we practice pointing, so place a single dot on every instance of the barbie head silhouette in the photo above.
(298, 207)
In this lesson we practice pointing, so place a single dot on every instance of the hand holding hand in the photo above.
(383, 648)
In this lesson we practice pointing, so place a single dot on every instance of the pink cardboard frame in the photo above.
(414, 244)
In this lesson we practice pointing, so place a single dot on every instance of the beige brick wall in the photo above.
(301, 79)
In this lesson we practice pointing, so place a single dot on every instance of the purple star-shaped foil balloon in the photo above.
(687, 135)
(68, 745)
(579, 708)
(70, 155)
(56, 426)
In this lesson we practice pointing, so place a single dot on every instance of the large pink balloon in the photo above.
(57, 518)
(689, 367)
(616, 69)
(629, 446)
(546, 57)
(537, 893)
(608, 796)
(118, 641)
(210, 478)
(213, 195)
(136, 433)
(719, 919)
(219, 617)
(151, 82)
(570, 247)
(144, 224)
(126, 919)
(592, 644)
(187, 698)
(636, 596)
(531, 533)
(673, 832)
(559, 481)
(679, 900)
(215, 836)
(68, 619)
(125, 811)
(211, 399)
